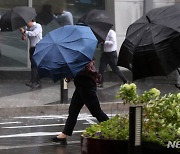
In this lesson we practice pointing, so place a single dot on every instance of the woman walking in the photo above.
(85, 94)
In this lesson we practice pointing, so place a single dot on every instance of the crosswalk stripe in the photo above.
(34, 126)
(4, 123)
(36, 134)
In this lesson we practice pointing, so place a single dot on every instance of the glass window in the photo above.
(48, 10)
(13, 51)
(49, 13)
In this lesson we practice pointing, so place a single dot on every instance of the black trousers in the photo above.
(111, 59)
(34, 70)
(84, 94)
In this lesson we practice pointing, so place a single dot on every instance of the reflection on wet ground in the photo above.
(32, 134)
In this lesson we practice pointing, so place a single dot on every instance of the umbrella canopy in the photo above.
(65, 51)
(16, 18)
(99, 21)
(152, 44)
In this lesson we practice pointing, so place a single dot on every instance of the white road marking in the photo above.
(4, 123)
(34, 126)
(36, 134)
(90, 121)
(43, 117)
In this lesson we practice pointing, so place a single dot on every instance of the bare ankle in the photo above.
(62, 135)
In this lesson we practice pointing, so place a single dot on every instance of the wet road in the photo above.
(32, 134)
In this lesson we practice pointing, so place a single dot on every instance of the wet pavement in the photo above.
(32, 134)
(14, 93)
(29, 118)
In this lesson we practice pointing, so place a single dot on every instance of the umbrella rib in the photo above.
(156, 49)
(69, 34)
(76, 50)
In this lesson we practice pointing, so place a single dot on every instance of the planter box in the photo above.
(102, 146)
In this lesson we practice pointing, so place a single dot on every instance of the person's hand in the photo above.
(67, 79)
(21, 30)
(23, 37)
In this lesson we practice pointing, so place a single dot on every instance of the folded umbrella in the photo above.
(65, 51)
(16, 18)
(99, 21)
(151, 47)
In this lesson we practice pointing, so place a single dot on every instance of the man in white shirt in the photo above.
(33, 32)
(109, 56)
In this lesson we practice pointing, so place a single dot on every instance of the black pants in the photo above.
(84, 94)
(34, 70)
(111, 59)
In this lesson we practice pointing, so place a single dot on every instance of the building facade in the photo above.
(14, 51)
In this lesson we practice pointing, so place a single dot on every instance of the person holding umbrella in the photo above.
(109, 56)
(33, 32)
(67, 52)
(84, 94)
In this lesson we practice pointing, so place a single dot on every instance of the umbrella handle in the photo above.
(68, 79)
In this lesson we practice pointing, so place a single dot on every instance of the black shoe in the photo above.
(100, 85)
(177, 86)
(62, 141)
(36, 85)
(29, 84)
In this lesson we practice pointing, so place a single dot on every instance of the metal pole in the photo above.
(30, 3)
(135, 130)
(148, 5)
(64, 91)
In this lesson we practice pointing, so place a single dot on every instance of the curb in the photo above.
(110, 107)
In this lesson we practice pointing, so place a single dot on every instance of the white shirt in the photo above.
(110, 43)
(34, 34)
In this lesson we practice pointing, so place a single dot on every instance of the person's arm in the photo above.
(34, 32)
(111, 39)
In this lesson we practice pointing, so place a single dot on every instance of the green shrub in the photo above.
(161, 117)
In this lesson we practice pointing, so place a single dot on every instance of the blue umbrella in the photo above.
(65, 51)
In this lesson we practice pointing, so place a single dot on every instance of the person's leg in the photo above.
(35, 81)
(89, 97)
(102, 67)
(114, 67)
(30, 83)
(74, 109)
(35, 74)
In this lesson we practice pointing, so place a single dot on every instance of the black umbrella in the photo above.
(152, 44)
(99, 21)
(16, 18)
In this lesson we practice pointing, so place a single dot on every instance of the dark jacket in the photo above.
(88, 76)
